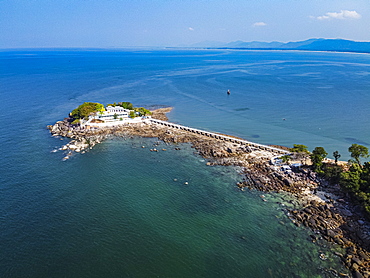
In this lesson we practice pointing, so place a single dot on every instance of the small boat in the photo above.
(228, 92)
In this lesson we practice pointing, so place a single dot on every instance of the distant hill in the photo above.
(339, 45)
(255, 44)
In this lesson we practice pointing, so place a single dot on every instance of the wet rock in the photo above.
(357, 261)
(257, 172)
(287, 182)
(330, 233)
(354, 267)
(357, 274)
(363, 256)
(339, 241)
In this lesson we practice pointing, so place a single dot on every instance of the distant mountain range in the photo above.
(338, 45)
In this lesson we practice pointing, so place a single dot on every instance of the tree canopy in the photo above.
(317, 156)
(85, 109)
(142, 111)
(132, 114)
(285, 158)
(297, 148)
(355, 180)
(126, 105)
(358, 151)
(336, 156)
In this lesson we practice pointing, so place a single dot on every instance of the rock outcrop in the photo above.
(332, 219)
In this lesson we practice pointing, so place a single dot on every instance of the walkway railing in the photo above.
(221, 137)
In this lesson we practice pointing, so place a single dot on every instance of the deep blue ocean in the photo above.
(122, 211)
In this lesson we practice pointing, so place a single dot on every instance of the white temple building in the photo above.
(113, 115)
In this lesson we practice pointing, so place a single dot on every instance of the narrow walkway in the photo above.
(221, 137)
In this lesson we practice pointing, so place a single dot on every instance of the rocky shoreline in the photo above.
(322, 208)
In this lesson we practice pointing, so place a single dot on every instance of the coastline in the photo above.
(329, 216)
(270, 49)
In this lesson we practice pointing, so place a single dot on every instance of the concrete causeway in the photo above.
(221, 137)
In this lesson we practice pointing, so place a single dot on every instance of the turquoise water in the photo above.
(117, 210)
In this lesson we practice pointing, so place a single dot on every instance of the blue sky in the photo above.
(124, 23)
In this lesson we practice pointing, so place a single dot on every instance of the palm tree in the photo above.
(336, 156)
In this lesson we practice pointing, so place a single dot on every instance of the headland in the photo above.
(321, 207)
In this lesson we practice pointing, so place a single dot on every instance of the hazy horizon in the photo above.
(148, 23)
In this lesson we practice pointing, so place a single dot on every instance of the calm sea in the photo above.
(122, 211)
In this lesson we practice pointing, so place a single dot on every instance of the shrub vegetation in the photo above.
(354, 180)
(141, 111)
(84, 110)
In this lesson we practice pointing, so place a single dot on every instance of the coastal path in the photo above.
(222, 137)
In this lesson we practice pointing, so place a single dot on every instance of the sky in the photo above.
(127, 23)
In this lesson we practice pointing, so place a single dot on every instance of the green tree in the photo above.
(317, 156)
(85, 109)
(297, 148)
(112, 104)
(300, 152)
(285, 158)
(115, 116)
(142, 111)
(365, 177)
(336, 156)
(126, 105)
(357, 179)
(332, 172)
(350, 180)
(358, 151)
(132, 114)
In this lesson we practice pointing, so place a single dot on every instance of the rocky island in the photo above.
(320, 205)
